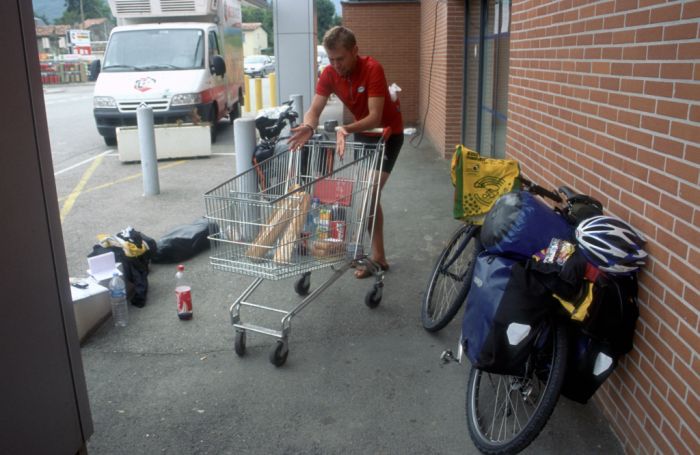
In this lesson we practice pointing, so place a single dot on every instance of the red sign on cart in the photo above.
(334, 191)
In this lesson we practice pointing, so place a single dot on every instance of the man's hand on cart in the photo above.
(340, 137)
(300, 135)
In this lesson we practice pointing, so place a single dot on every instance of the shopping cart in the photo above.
(262, 227)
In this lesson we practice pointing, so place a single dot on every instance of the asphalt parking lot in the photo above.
(357, 380)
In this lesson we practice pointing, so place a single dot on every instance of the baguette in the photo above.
(290, 238)
(270, 231)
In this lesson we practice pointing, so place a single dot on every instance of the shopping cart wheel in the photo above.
(279, 354)
(239, 344)
(303, 284)
(373, 297)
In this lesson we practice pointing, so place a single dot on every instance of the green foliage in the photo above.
(92, 9)
(325, 17)
(262, 15)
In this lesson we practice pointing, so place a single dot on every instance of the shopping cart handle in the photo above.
(385, 132)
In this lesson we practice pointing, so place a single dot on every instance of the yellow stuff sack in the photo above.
(479, 182)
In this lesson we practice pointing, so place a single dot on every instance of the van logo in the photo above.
(144, 84)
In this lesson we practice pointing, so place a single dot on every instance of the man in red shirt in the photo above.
(358, 82)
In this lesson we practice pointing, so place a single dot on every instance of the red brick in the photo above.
(663, 52)
(689, 51)
(663, 182)
(681, 210)
(666, 14)
(621, 69)
(668, 146)
(643, 104)
(687, 91)
(680, 32)
(649, 34)
(655, 124)
(672, 109)
(646, 70)
(635, 53)
(637, 18)
(691, 10)
(694, 113)
(677, 70)
(686, 131)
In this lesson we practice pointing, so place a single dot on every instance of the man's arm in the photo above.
(303, 132)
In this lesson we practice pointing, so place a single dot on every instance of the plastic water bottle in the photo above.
(183, 292)
(117, 296)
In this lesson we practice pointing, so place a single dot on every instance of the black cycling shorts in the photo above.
(391, 151)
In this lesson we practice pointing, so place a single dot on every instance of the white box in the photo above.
(91, 307)
(172, 141)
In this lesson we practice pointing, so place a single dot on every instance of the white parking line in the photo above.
(82, 162)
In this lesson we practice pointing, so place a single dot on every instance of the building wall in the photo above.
(255, 41)
(604, 96)
(390, 33)
(442, 73)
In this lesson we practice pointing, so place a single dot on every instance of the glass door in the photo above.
(487, 52)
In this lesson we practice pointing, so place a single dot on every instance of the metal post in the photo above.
(147, 146)
(244, 142)
(272, 80)
(258, 94)
(298, 104)
(246, 99)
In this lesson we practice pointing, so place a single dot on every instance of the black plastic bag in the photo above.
(183, 242)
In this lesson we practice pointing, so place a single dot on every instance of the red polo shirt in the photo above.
(367, 79)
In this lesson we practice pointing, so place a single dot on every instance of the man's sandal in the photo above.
(363, 272)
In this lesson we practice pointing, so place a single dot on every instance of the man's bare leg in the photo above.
(378, 254)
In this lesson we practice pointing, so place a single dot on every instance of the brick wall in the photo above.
(441, 72)
(390, 33)
(605, 96)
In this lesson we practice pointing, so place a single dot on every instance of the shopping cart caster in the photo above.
(374, 296)
(279, 354)
(303, 284)
(239, 343)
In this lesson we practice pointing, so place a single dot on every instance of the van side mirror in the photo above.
(94, 70)
(218, 66)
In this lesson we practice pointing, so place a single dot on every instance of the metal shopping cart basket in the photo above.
(262, 226)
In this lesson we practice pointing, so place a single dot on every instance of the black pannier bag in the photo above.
(590, 363)
(184, 242)
(506, 310)
(520, 224)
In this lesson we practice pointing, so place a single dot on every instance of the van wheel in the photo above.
(211, 118)
(110, 141)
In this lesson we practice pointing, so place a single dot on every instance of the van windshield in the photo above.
(153, 50)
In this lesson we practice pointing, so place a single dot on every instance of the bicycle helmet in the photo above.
(611, 244)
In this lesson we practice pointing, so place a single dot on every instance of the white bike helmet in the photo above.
(611, 244)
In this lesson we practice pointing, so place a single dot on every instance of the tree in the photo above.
(325, 17)
(92, 9)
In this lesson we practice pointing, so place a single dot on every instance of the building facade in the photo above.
(600, 95)
(254, 38)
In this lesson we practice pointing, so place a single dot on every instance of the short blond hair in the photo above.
(339, 36)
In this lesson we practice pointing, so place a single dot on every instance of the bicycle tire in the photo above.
(448, 286)
(490, 426)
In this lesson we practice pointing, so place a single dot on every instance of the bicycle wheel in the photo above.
(450, 280)
(506, 413)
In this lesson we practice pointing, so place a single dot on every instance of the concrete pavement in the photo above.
(357, 380)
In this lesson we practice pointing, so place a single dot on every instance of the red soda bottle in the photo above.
(183, 292)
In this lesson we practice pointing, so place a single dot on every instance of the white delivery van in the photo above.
(182, 58)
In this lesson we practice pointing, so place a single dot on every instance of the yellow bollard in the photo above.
(258, 94)
(272, 78)
(246, 99)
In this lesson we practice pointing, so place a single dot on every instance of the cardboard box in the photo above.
(91, 307)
